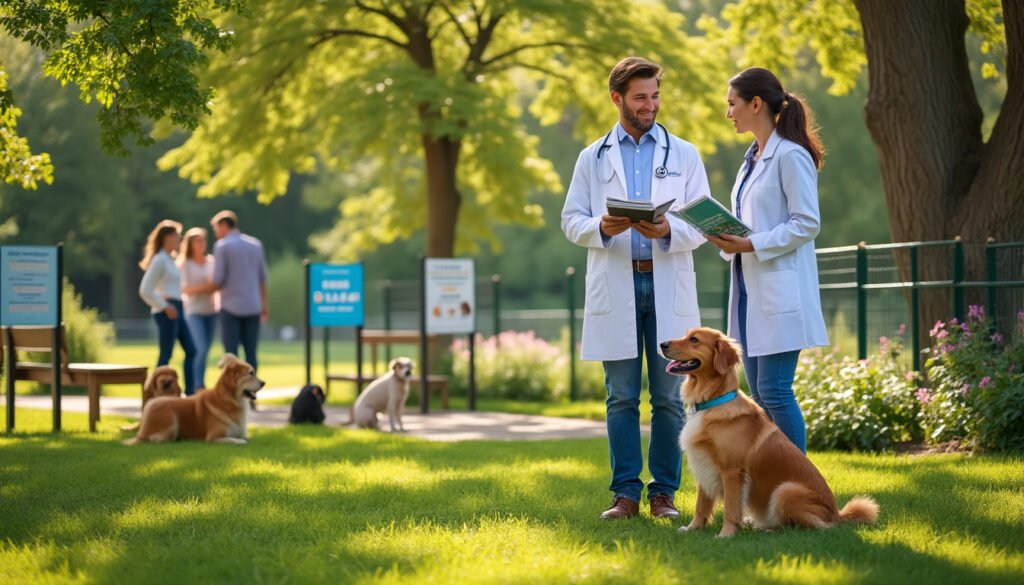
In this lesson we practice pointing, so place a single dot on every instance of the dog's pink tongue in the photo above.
(671, 364)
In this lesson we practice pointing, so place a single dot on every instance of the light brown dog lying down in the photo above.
(737, 454)
(215, 415)
(162, 381)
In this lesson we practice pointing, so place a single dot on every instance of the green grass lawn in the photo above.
(325, 505)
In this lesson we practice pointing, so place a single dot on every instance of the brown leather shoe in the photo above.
(622, 507)
(663, 507)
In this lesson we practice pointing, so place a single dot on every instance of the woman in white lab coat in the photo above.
(774, 300)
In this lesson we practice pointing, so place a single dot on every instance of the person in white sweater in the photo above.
(200, 297)
(161, 290)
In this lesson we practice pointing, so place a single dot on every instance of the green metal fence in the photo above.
(871, 291)
(867, 292)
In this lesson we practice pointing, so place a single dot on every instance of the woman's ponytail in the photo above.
(795, 123)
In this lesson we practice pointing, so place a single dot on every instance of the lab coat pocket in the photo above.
(686, 293)
(598, 300)
(780, 292)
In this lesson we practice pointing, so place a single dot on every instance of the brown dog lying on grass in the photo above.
(162, 381)
(216, 415)
(737, 454)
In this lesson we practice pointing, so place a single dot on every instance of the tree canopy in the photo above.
(407, 98)
(137, 59)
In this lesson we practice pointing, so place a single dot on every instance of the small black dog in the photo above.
(308, 405)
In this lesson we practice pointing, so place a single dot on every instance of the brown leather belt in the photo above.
(643, 265)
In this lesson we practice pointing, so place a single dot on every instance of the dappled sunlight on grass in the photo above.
(327, 505)
(492, 550)
(805, 569)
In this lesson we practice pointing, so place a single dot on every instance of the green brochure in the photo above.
(711, 218)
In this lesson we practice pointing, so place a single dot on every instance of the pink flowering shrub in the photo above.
(858, 404)
(513, 365)
(976, 383)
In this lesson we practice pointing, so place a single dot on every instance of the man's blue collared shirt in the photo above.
(637, 164)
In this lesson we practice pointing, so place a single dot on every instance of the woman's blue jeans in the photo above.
(770, 378)
(171, 330)
(622, 379)
(203, 328)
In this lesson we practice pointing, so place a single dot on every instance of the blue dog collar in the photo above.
(715, 401)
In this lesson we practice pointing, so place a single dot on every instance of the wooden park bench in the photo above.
(377, 337)
(88, 375)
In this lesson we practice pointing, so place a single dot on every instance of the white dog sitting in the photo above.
(386, 393)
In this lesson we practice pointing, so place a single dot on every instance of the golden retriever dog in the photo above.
(217, 415)
(387, 393)
(737, 454)
(162, 381)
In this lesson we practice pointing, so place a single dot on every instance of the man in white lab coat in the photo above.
(640, 283)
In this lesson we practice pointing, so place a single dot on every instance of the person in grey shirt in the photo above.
(240, 274)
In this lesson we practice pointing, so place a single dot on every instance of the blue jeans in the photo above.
(770, 378)
(202, 328)
(171, 330)
(622, 378)
(235, 329)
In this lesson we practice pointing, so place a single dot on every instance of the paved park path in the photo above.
(449, 425)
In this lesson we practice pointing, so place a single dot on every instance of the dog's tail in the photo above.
(131, 428)
(861, 509)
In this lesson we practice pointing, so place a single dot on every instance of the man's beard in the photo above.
(635, 121)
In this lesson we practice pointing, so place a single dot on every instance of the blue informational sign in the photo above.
(336, 295)
(29, 285)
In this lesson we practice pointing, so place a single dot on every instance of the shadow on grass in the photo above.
(314, 504)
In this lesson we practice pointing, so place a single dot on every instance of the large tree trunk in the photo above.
(940, 179)
(443, 198)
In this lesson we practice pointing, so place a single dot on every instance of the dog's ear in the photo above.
(394, 363)
(227, 361)
(726, 355)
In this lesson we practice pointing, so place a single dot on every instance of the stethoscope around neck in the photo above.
(662, 171)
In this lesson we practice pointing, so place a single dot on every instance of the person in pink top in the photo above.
(201, 302)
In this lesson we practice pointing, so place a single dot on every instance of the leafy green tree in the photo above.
(137, 59)
(419, 104)
(18, 165)
(945, 170)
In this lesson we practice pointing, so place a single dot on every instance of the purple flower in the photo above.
(965, 389)
(939, 325)
(976, 312)
(883, 345)
(941, 334)
(985, 382)
(997, 338)
(924, 395)
(947, 348)
(965, 328)
(903, 328)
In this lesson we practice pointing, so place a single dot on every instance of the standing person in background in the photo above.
(200, 298)
(640, 285)
(240, 274)
(161, 290)
(774, 298)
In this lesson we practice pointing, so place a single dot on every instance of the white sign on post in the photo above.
(450, 295)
